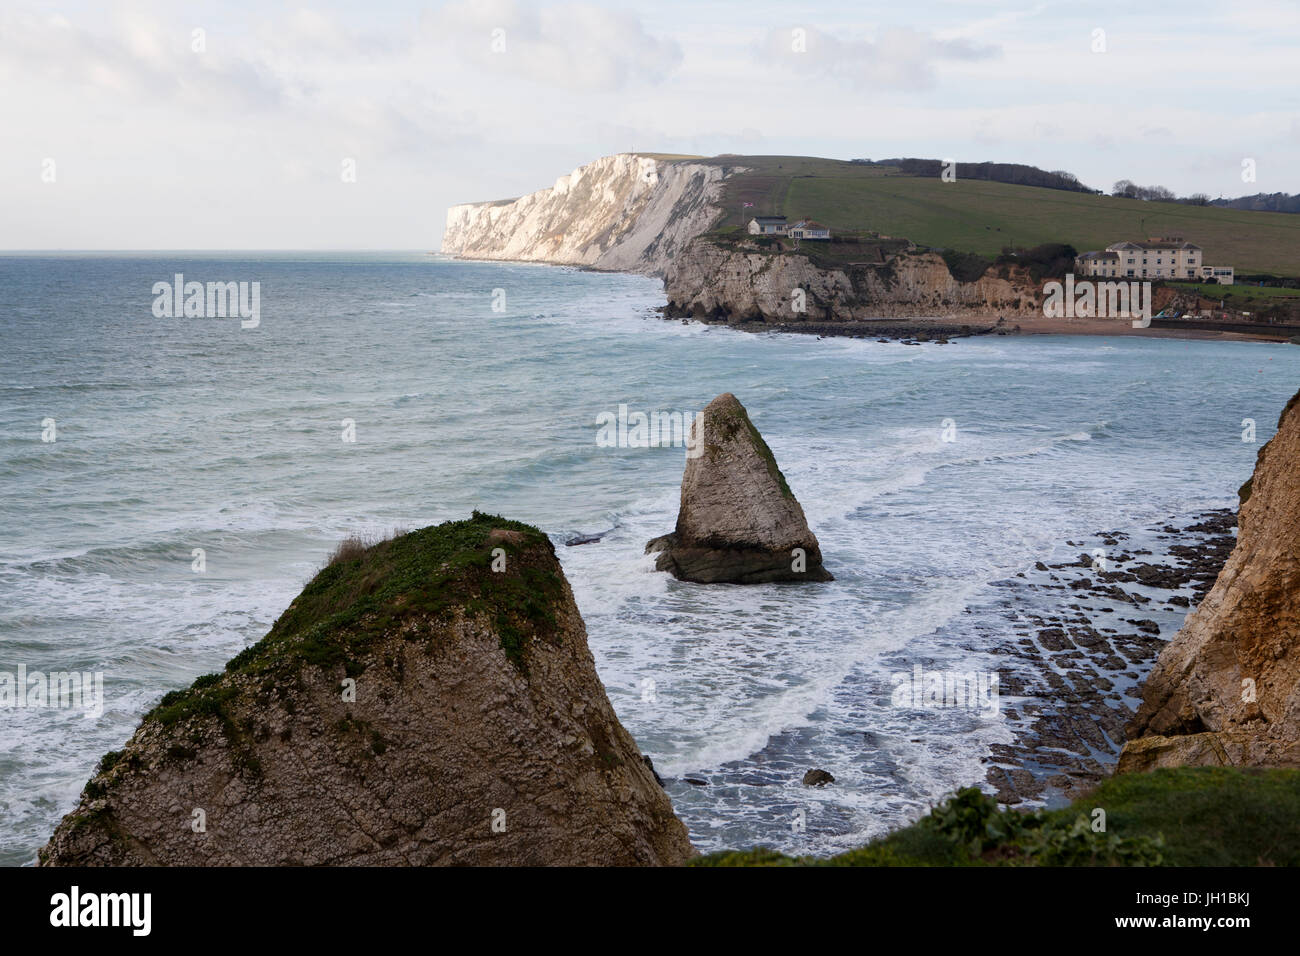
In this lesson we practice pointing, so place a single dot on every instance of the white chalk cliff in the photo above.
(622, 213)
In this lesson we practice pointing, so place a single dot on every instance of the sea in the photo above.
(168, 483)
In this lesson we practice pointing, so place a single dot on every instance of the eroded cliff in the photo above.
(1226, 689)
(429, 700)
(627, 213)
(743, 282)
(646, 214)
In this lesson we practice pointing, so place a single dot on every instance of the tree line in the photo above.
(1260, 202)
(1016, 174)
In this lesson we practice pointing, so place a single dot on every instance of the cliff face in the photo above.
(622, 213)
(430, 700)
(733, 283)
(1226, 690)
(633, 213)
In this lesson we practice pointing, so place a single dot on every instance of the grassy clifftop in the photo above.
(982, 217)
(367, 592)
(417, 690)
(1191, 816)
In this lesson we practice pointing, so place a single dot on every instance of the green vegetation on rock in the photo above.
(732, 421)
(964, 266)
(375, 591)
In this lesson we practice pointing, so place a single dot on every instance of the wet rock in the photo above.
(739, 522)
(650, 764)
(817, 778)
(1053, 639)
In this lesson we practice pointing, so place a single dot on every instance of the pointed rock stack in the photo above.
(739, 521)
(429, 700)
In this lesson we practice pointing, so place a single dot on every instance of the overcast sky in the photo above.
(124, 129)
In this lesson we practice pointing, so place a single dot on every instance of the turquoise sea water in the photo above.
(175, 434)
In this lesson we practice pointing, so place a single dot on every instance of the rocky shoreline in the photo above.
(913, 333)
(1076, 675)
(885, 330)
(941, 330)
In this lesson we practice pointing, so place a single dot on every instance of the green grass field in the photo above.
(1240, 291)
(983, 217)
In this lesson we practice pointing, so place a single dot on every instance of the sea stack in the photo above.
(738, 522)
(1226, 689)
(429, 700)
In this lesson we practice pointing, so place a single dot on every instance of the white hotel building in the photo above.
(1164, 258)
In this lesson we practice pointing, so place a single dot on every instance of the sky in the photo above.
(147, 124)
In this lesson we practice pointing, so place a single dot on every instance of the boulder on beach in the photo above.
(738, 522)
(1226, 689)
(426, 700)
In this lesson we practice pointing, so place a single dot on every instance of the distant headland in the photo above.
(832, 247)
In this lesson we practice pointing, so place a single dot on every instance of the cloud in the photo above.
(302, 71)
(900, 59)
(573, 46)
(142, 61)
(999, 23)
(703, 142)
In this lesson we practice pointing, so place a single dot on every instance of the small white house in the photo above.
(767, 226)
(807, 229)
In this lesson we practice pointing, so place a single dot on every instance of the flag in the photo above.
(747, 205)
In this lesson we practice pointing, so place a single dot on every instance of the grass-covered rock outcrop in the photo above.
(427, 699)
